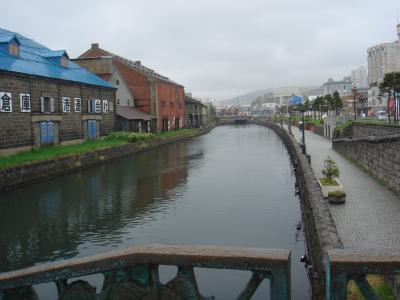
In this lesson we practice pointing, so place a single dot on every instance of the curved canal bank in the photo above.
(321, 232)
(231, 187)
(15, 177)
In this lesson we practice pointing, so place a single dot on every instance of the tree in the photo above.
(306, 106)
(330, 171)
(329, 103)
(391, 86)
(337, 102)
(317, 106)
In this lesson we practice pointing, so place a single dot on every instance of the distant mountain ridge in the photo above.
(248, 98)
(245, 98)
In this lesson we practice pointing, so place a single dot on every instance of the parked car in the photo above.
(382, 115)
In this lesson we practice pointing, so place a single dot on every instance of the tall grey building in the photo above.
(382, 59)
(359, 78)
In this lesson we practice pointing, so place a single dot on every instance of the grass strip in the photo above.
(113, 140)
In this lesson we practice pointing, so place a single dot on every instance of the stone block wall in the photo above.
(9, 136)
(379, 156)
(357, 130)
(321, 232)
(20, 129)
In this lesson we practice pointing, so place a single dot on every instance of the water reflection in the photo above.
(49, 220)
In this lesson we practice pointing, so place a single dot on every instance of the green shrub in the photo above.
(337, 194)
(129, 137)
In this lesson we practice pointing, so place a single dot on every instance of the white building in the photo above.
(343, 87)
(382, 59)
(282, 95)
(359, 78)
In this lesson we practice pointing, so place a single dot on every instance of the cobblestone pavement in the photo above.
(370, 218)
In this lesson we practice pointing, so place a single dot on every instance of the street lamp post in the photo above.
(354, 103)
(303, 138)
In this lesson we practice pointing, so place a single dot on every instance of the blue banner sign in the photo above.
(295, 100)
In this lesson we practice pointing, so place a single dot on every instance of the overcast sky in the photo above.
(216, 48)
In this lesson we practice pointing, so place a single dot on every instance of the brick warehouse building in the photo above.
(47, 99)
(142, 91)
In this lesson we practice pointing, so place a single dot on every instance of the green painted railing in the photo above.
(132, 273)
(345, 265)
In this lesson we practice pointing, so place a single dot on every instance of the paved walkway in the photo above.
(371, 216)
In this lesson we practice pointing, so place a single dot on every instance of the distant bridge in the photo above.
(234, 120)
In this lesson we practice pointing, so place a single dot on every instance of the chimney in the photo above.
(95, 46)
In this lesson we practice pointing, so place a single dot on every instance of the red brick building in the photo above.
(151, 93)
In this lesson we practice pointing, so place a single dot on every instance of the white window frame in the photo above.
(42, 104)
(91, 104)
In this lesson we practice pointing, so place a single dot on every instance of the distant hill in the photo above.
(245, 98)
(252, 96)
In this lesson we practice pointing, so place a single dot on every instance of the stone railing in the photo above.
(345, 265)
(132, 273)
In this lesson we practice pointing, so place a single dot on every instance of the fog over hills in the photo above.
(248, 98)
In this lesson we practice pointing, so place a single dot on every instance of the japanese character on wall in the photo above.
(66, 104)
(25, 102)
(105, 106)
(5, 102)
(78, 105)
(97, 106)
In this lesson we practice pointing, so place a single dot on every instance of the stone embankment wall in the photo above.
(357, 130)
(321, 230)
(43, 170)
(379, 155)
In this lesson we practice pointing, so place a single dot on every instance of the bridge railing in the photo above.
(345, 265)
(133, 273)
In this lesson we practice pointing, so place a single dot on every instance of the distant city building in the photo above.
(268, 106)
(359, 78)
(282, 95)
(382, 59)
(342, 86)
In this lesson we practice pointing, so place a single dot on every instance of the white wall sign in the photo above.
(97, 106)
(25, 102)
(5, 102)
(105, 106)
(66, 104)
(78, 105)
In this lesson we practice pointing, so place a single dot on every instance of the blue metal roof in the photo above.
(50, 53)
(36, 59)
(8, 38)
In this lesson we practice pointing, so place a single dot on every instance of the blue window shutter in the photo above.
(43, 133)
(50, 132)
(89, 129)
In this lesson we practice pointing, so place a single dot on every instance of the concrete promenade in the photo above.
(370, 218)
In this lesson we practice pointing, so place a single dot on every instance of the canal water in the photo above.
(231, 187)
